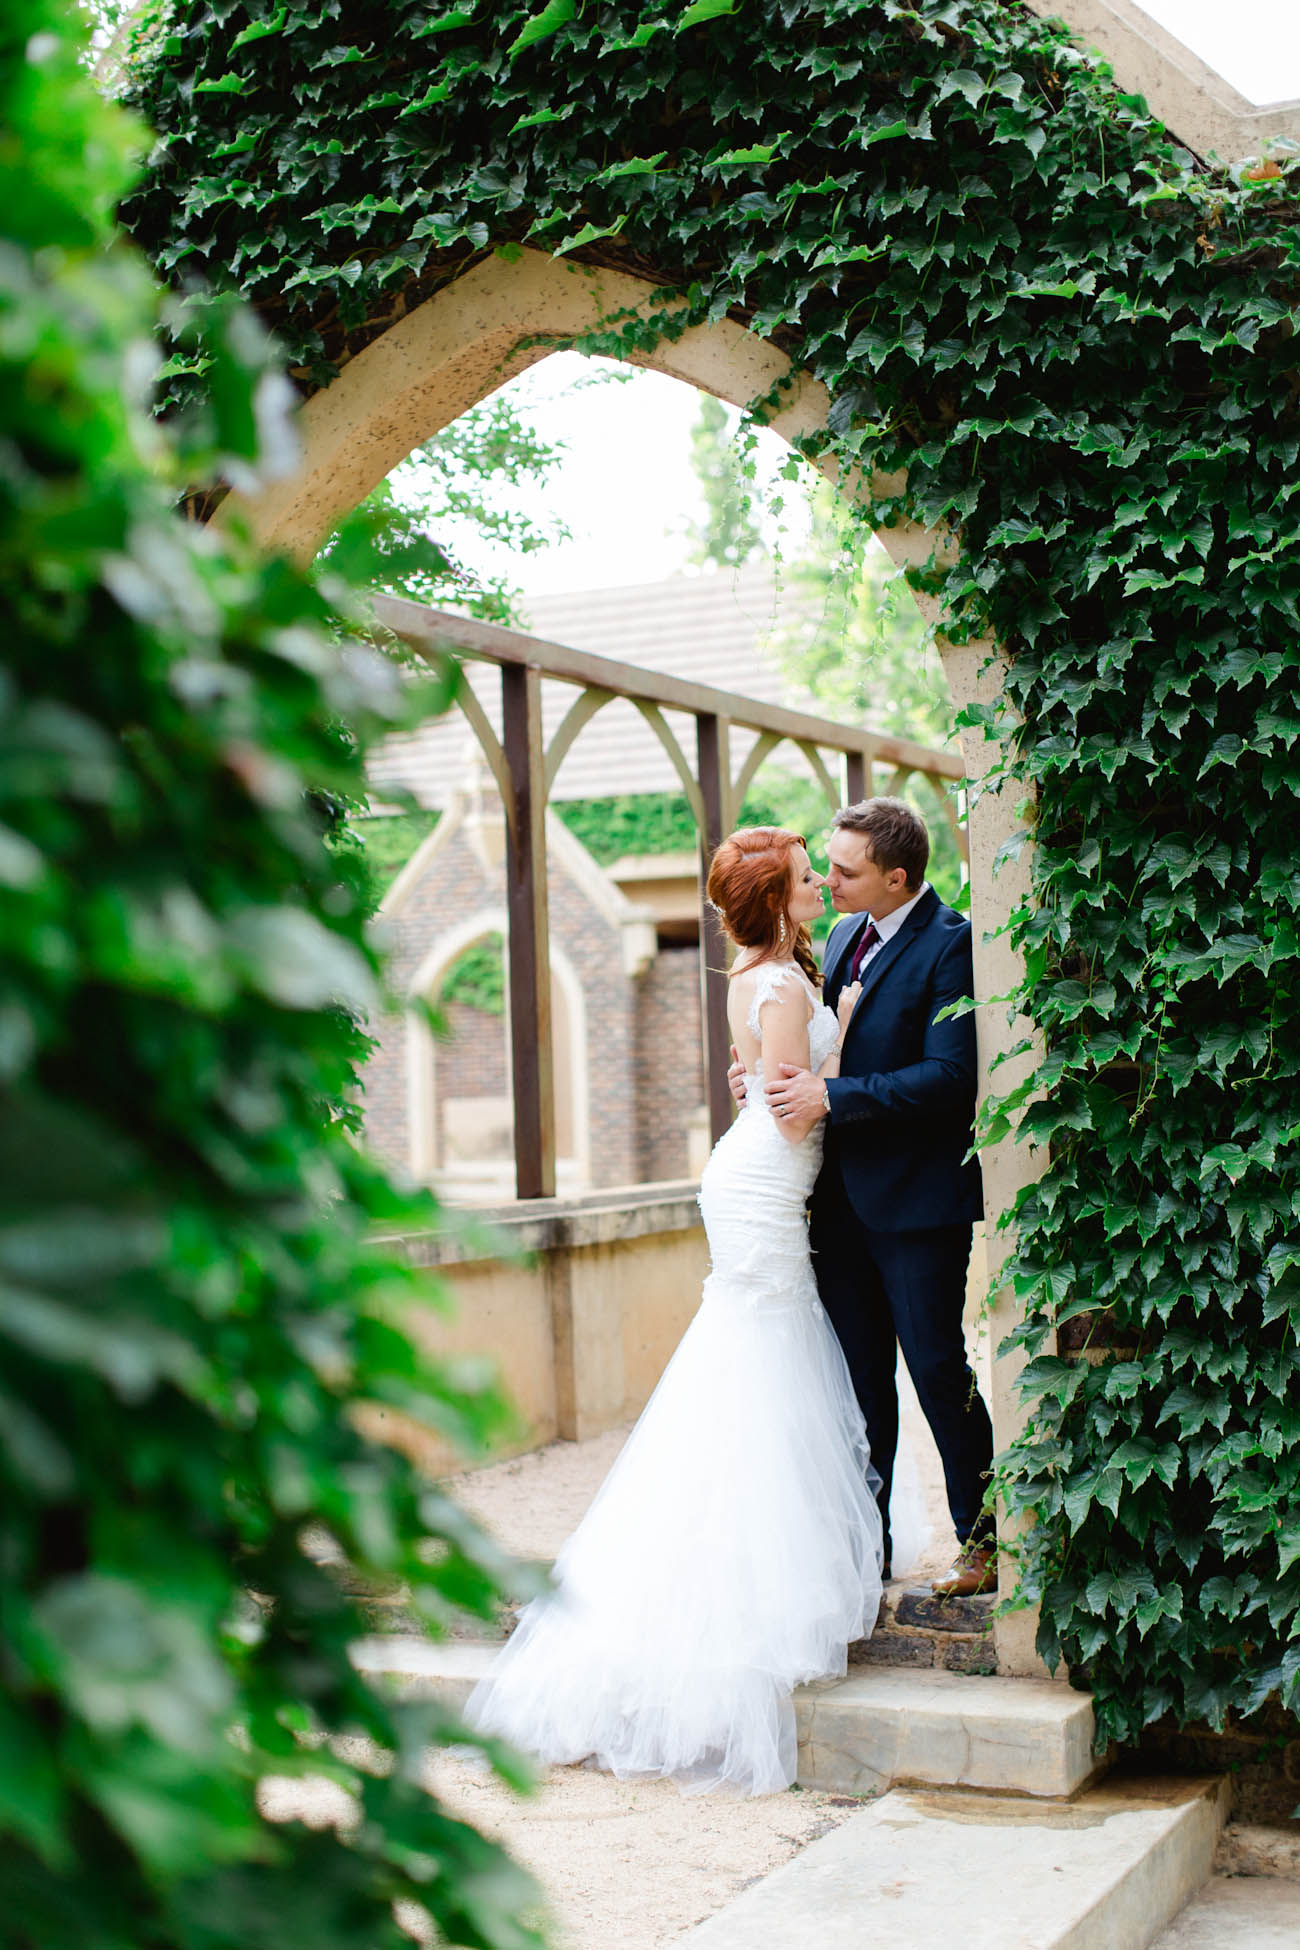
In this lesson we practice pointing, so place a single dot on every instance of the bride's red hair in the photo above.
(750, 885)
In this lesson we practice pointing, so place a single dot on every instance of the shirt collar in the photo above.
(892, 922)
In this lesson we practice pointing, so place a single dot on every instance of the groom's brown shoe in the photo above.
(974, 1573)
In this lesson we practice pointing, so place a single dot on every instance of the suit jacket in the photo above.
(903, 1105)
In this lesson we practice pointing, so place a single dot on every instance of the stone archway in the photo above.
(510, 312)
(569, 1033)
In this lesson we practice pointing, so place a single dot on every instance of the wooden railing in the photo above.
(525, 769)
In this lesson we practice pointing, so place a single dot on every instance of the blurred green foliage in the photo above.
(388, 841)
(192, 1312)
(478, 978)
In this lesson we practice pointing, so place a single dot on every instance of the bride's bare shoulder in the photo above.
(756, 984)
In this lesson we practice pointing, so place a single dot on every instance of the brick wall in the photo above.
(383, 1093)
(472, 1060)
(669, 1063)
(594, 949)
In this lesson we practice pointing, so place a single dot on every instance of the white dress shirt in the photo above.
(888, 927)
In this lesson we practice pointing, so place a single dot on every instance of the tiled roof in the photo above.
(717, 628)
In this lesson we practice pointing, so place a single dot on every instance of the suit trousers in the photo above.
(886, 1290)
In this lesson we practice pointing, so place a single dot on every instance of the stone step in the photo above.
(917, 1607)
(862, 1734)
(985, 1872)
(915, 1628)
(918, 1629)
(1245, 1912)
(884, 1724)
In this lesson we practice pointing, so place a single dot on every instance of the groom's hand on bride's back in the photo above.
(736, 1076)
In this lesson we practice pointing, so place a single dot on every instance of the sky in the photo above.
(1254, 44)
(626, 488)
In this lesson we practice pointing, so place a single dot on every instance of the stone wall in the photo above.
(580, 1329)
(1260, 1757)
(472, 1059)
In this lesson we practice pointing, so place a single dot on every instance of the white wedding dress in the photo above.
(733, 1550)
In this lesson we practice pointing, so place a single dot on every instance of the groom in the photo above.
(893, 1206)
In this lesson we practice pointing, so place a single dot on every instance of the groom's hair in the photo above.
(896, 836)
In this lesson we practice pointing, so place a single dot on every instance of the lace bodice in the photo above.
(770, 980)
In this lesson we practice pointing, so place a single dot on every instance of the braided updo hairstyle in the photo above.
(750, 885)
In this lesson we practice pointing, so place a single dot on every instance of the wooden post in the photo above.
(855, 777)
(531, 1063)
(714, 776)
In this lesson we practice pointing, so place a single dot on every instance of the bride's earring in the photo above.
(780, 937)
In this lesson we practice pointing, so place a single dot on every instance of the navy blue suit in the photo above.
(893, 1205)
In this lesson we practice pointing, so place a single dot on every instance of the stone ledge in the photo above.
(936, 1728)
(917, 1870)
(552, 1224)
(1244, 1912)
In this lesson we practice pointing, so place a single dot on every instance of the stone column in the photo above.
(975, 673)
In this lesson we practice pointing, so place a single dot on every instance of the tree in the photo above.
(729, 533)
(194, 1320)
(856, 639)
(483, 471)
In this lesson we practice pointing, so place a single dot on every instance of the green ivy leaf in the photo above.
(888, 133)
(761, 152)
(633, 166)
(554, 15)
(539, 119)
(588, 235)
(702, 10)
(431, 97)
(258, 30)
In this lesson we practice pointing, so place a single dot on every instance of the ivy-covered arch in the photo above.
(1055, 341)
(513, 309)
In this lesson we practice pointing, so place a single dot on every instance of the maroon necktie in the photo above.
(866, 940)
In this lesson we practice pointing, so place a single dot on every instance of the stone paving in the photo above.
(1238, 1913)
(624, 1865)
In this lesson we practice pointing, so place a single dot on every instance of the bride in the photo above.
(734, 1549)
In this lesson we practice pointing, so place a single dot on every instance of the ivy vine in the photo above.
(1073, 343)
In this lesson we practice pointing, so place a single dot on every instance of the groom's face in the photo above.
(857, 885)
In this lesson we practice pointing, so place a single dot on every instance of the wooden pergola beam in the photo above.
(440, 630)
(520, 766)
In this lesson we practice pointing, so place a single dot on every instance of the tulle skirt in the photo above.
(733, 1551)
